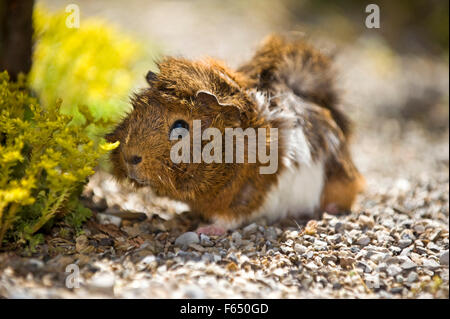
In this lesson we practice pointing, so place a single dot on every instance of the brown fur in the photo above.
(232, 191)
(341, 192)
(280, 63)
(210, 189)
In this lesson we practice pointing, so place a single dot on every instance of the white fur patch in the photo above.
(299, 188)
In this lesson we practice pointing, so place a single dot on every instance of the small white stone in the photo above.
(103, 280)
(443, 258)
(299, 249)
(236, 237)
(412, 277)
(363, 241)
(408, 264)
(430, 263)
(311, 265)
(104, 219)
(205, 241)
(394, 270)
(250, 229)
(187, 239)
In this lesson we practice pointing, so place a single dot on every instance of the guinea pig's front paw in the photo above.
(332, 208)
(211, 230)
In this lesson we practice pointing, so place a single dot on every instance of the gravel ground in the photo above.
(395, 243)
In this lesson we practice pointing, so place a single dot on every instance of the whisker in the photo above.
(179, 169)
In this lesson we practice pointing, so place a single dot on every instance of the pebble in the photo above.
(366, 221)
(105, 219)
(393, 270)
(443, 258)
(346, 262)
(412, 277)
(337, 285)
(207, 257)
(419, 229)
(395, 249)
(363, 241)
(403, 243)
(408, 264)
(329, 258)
(407, 223)
(399, 279)
(147, 260)
(364, 266)
(300, 249)
(435, 235)
(383, 237)
(339, 227)
(320, 245)
(106, 242)
(311, 265)
(407, 251)
(336, 238)
(197, 247)
(388, 223)
(35, 263)
(376, 258)
(354, 249)
(372, 281)
(103, 281)
(270, 233)
(205, 241)
(433, 247)
(392, 260)
(431, 263)
(82, 244)
(187, 239)
(421, 250)
(236, 237)
(250, 229)
(233, 258)
(396, 290)
(427, 272)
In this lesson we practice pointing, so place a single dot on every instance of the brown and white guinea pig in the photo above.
(289, 86)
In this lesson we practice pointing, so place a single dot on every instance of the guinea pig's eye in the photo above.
(178, 129)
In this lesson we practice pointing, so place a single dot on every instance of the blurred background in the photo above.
(393, 80)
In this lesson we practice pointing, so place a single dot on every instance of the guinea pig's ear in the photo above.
(150, 77)
(210, 100)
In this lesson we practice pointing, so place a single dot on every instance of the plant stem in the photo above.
(12, 211)
(47, 216)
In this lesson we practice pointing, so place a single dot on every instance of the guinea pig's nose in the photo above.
(134, 160)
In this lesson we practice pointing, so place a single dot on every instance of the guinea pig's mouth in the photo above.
(132, 176)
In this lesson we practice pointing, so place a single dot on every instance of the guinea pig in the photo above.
(287, 91)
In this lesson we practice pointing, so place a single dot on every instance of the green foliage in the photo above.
(77, 215)
(44, 162)
(92, 68)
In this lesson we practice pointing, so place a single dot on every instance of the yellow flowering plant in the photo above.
(92, 68)
(45, 159)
